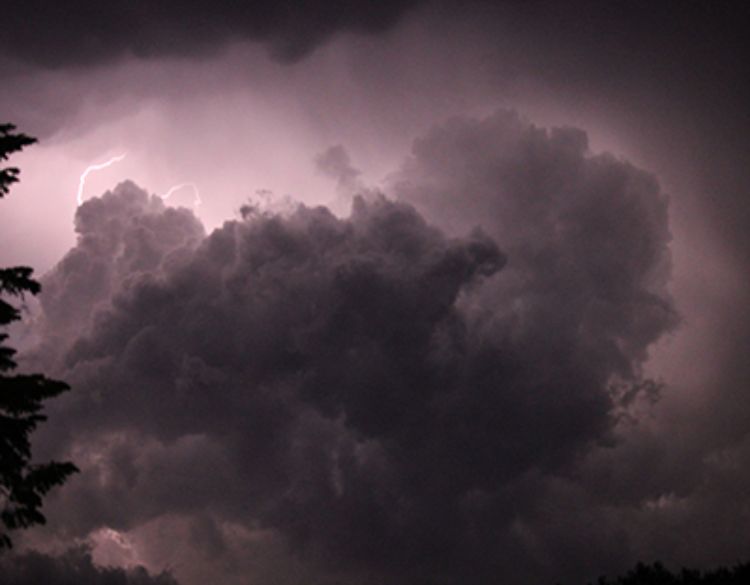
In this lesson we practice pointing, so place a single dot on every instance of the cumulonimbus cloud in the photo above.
(391, 397)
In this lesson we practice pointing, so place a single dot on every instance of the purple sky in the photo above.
(521, 351)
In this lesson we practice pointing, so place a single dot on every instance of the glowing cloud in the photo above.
(97, 167)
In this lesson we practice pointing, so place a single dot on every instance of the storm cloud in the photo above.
(82, 33)
(524, 362)
(587, 234)
(396, 394)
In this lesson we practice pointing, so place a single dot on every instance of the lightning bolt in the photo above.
(97, 167)
(196, 201)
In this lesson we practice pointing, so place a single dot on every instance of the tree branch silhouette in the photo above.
(23, 484)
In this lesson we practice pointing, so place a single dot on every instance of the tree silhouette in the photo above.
(657, 574)
(22, 484)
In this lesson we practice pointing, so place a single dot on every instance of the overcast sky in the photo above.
(442, 292)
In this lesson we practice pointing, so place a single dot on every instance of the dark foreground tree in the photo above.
(657, 574)
(22, 484)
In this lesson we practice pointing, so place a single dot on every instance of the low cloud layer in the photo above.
(433, 388)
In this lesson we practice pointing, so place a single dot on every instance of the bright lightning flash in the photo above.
(98, 167)
(197, 199)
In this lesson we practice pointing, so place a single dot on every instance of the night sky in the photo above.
(364, 293)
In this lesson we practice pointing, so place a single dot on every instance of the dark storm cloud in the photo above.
(583, 297)
(588, 234)
(583, 232)
(305, 380)
(86, 32)
(394, 401)
(73, 567)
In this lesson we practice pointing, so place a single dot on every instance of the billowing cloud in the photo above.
(389, 399)
(587, 236)
(74, 566)
(82, 33)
